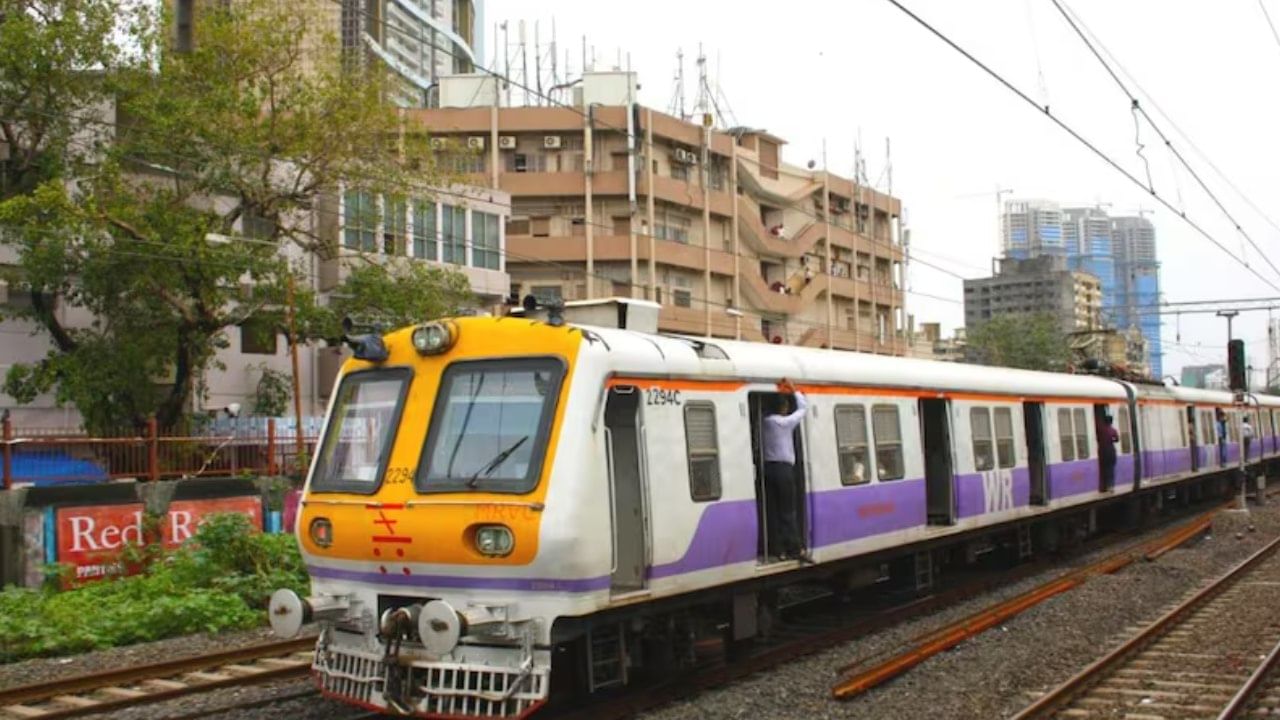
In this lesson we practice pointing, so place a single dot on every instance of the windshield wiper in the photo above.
(496, 462)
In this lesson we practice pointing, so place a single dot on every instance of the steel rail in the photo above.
(62, 690)
(1062, 695)
(1241, 700)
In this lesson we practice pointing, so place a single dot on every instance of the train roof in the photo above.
(650, 354)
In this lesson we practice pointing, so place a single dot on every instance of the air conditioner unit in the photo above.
(551, 141)
(438, 143)
(507, 142)
(476, 142)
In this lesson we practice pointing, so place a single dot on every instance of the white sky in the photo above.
(826, 70)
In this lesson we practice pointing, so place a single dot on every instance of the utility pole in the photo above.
(1229, 315)
(299, 446)
(1238, 400)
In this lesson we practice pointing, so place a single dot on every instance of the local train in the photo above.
(493, 497)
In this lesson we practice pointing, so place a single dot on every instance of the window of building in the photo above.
(983, 449)
(680, 171)
(703, 451)
(258, 337)
(682, 298)
(1066, 436)
(1082, 433)
(1006, 457)
(486, 243)
(547, 294)
(359, 221)
(888, 436)
(453, 229)
(1126, 439)
(395, 224)
(424, 230)
(540, 226)
(851, 444)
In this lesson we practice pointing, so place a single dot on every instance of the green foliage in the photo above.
(399, 293)
(1028, 341)
(259, 123)
(273, 393)
(220, 580)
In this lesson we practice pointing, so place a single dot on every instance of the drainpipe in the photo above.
(649, 201)
(588, 169)
(494, 154)
(733, 228)
(706, 225)
(631, 178)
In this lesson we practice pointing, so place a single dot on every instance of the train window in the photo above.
(704, 452)
(1182, 428)
(490, 425)
(1082, 433)
(1233, 427)
(888, 432)
(357, 441)
(1066, 438)
(851, 444)
(1004, 437)
(980, 427)
(1122, 421)
(1208, 429)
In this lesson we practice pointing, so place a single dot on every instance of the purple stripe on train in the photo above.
(726, 534)
(863, 511)
(992, 491)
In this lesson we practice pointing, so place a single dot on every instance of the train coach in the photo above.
(495, 499)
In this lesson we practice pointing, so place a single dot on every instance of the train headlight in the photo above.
(494, 540)
(321, 531)
(434, 338)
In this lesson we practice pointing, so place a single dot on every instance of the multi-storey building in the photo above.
(1041, 284)
(610, 198)
(1138, 282)
(419, 40)
(1031, 228)
(1086, 234)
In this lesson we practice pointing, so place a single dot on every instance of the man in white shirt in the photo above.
(1246, 436)
(781, 489)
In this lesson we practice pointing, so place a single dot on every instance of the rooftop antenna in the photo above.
(555, 73)
(677, 99)
(703, 104)
(537, 60)
(506, 58)
(524, 63)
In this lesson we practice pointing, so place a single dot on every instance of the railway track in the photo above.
(822, 623)
(115, 690)
(1199, 659)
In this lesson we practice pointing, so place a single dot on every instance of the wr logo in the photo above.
(997, 487)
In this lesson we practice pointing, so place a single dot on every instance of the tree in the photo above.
(1032, 341)
(245, 134)
(394, 295)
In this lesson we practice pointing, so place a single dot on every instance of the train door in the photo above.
(1106, 464)
(939, 479)
(1193, 438)
(626, 489)
(1033, 422)
(768, 505)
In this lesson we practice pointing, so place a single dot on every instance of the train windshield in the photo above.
(490, 425)
(357, 441)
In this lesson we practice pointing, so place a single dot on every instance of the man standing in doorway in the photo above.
(1107, 439)
(1246, 436)
(781, 488)
(1222, 437)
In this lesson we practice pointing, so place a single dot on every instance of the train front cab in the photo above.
(422, 519)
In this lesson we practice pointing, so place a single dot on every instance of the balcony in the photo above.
(523, 249)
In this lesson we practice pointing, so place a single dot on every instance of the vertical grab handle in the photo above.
(613, 520)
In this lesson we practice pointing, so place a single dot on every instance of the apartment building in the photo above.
(1035, 285)
(609, 198)
(418, 40)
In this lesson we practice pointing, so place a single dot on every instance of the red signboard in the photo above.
(90, 537)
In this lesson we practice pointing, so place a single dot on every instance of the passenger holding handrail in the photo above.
(779, 473)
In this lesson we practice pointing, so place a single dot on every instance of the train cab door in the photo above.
(1193, 438)
(759, 405)
(1033, 422)
(627, 496)
(939, 467)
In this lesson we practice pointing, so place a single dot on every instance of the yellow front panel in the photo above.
(384, 527)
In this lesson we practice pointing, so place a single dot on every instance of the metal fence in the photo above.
(253, 446)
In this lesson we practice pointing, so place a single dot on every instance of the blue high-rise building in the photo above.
(1119, 251)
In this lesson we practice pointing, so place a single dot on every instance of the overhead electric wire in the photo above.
(1080, 138)
(1270, 24)
(1137, 107)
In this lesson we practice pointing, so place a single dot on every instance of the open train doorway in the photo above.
(1033, 424)
(1193, 438)
(1104, 428)
(939, 475)
(626, 489)
(770, 507)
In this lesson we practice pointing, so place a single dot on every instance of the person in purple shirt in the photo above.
(781, 490)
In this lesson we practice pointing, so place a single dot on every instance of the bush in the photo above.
(220, 580)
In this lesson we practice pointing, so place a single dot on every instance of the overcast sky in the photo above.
(828, 70)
